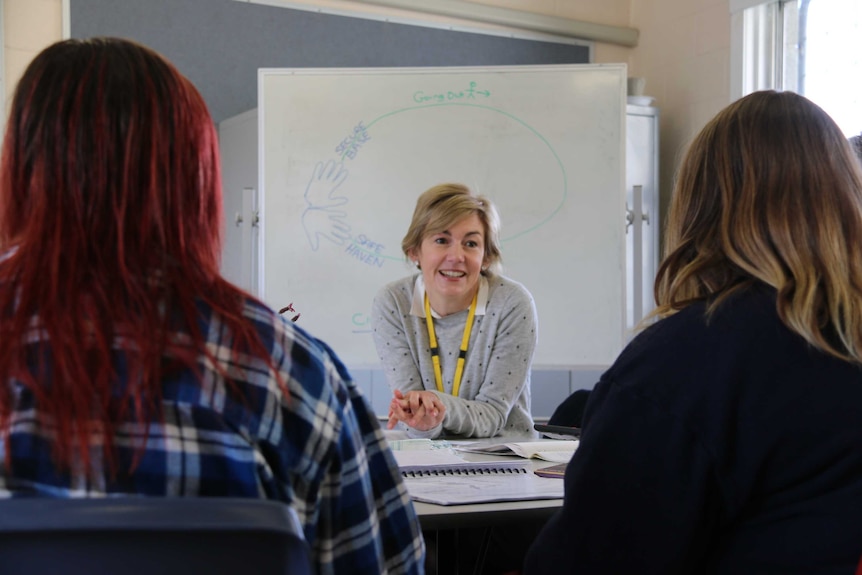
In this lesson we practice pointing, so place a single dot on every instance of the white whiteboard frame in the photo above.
(618, 328)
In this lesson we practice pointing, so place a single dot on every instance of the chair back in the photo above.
(151, 536)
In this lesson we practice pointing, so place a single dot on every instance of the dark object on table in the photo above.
(570, 413)
(558, 470)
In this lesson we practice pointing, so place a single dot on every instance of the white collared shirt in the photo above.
(417, 306)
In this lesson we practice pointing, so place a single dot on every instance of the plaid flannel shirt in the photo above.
(317, 450)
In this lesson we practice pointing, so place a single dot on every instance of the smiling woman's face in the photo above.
(451, 262)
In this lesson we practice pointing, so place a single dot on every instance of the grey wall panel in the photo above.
(220, 44)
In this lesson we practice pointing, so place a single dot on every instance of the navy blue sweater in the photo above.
(722, 445)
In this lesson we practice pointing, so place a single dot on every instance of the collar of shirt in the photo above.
(417, 307)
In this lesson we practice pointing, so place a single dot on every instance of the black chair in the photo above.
(570, 412)
(150, 536)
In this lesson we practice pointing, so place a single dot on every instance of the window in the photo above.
(807, 46)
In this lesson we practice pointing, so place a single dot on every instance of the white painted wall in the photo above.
(28, 26)
(684, 54)
(238, 147)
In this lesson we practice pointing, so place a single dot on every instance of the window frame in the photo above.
(756, 31)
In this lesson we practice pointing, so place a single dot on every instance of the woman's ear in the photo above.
(413, 256)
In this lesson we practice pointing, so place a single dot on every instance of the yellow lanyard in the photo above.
(435, 351)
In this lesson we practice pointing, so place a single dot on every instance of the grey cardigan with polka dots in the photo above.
(494, 397)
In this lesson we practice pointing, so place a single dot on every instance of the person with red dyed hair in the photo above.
(128, 364)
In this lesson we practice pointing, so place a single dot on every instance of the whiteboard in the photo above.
(346, 152)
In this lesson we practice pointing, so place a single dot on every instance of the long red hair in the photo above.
(110, 230)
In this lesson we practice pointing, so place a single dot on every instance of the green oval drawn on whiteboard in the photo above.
(508, 115)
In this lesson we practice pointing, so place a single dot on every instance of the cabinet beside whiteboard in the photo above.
(642, 211)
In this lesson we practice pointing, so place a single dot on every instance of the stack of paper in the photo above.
(445, 478)
(466, 489)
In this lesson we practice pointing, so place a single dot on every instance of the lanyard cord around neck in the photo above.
(462, 354)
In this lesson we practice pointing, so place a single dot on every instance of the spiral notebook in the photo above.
(444, 462)
(446, 479)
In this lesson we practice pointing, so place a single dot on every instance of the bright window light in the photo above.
(830, 62)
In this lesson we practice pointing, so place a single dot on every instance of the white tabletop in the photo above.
(434, 516)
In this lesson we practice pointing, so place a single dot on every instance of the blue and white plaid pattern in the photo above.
(316, 450)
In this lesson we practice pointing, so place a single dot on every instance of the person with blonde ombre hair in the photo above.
(727, 436)
(780, 207)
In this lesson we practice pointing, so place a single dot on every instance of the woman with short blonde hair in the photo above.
(456, 339)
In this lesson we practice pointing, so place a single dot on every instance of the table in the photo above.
(433, 516)
(448, 529)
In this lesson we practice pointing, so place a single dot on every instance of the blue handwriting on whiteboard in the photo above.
(350, 145)
(470, 93)
(366, 251)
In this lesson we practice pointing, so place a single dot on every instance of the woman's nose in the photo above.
(455, 252)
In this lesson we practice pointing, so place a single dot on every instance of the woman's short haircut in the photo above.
(442, 206)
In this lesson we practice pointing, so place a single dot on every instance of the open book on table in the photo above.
(554, 450)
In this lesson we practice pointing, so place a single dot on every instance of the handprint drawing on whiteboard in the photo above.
(325, 223)
(320, 218)
(319, 193)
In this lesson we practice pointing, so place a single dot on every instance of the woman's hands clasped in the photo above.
(421, 410)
